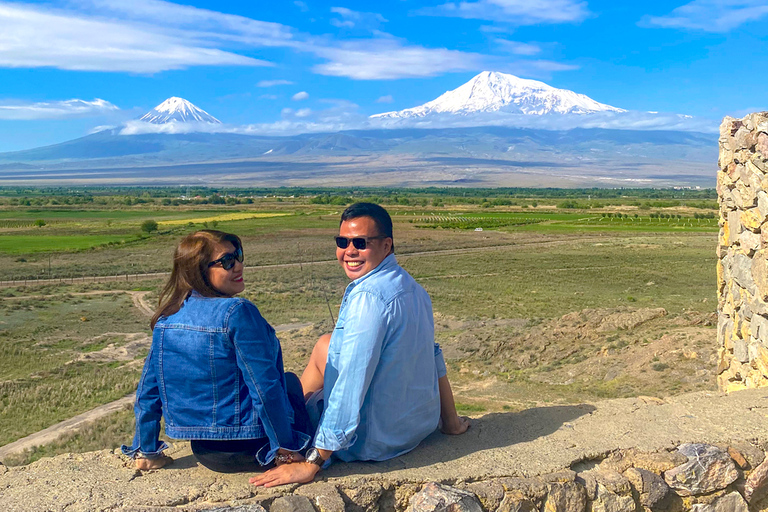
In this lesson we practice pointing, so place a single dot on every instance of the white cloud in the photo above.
(303, 112)
(303, 7)
(268, 97)
(710, 15)
(299, 96)
(388, 59)
(355, 19)
(55, 109)
(272, 83)
(385, 99)
(517, 48)
(43, 37)
(516, 12)
(150, 36)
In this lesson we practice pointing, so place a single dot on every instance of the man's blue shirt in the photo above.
(381, 391)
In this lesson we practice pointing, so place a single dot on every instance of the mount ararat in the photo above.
(495, 130)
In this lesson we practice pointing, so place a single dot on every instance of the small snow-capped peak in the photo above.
(178, 110)
(491, 91)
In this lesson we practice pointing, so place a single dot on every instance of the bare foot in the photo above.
(456, 427)
(157, 463)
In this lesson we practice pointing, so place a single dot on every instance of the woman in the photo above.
(215, 369)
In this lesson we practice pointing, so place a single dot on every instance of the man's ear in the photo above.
(389, 244)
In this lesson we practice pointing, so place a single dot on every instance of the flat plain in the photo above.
(534, 304)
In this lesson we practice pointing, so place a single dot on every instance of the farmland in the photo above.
(535, 302)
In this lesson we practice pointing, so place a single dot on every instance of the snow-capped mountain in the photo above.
(499, 92)
(178, 110)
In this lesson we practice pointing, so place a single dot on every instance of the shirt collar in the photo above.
(386, 263)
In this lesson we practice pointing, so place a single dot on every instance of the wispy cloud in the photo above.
(710, 15)
(389, 59)
(516, 12)
(516, 47)
(385, 99)
(272, 83)
(136, 36)
(299, 96)
(356, 19)
(303, 7)
(55, 109)
(43, 37)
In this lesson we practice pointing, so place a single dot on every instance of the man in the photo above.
(382, 376)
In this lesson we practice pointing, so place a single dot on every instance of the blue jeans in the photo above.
(240, 454)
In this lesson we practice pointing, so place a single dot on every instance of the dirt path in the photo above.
(54, 432)
(139, 300)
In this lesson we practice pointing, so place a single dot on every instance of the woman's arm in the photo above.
(260, 360)
(147, 448)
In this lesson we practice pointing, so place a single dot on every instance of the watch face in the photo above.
(314, 457)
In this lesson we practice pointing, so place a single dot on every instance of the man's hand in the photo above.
(156, 463)
(296, 473)
(457, 426)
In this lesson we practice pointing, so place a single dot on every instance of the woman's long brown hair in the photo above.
(190, 270)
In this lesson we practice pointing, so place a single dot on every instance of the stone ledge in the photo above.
(540, 456)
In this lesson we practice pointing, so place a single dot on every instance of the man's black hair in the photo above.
(377, 213)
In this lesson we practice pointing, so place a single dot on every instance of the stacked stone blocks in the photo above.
(742, 251)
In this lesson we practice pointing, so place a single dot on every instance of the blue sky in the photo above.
(69, 66)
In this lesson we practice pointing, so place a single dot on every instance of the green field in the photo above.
(521, 307)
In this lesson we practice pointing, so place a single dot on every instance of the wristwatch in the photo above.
(314, 457)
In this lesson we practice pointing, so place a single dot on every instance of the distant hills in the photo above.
(189, 145)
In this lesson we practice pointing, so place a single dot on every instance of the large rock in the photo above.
(490, 493)
(751, 219)
(741, 269)
(731, 502)
(292, 503)
(762, 145)
(363, 495)
(652, 490)
(708, 469)
(516, 501)
(613, 493)
(442, 498)
(756, 486)
(760, 273)
(658, 462)
(565, 497)
(749, 242)
(325, 496)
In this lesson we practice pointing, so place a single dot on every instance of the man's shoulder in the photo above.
(389, 283)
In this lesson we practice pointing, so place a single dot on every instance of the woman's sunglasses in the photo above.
(359, 242)
(228, 260)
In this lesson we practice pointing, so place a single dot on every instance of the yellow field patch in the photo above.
(222, 218)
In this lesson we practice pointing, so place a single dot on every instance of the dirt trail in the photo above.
(54, 432)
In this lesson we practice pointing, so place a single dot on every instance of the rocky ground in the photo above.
(611, 456)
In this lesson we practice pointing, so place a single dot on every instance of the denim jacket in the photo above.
(214, 371)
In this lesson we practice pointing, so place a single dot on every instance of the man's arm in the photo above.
(360, 350)
(450, 422)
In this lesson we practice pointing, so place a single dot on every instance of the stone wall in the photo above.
(742, 250)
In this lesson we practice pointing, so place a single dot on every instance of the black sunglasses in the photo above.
(359, 242)
(228, 260)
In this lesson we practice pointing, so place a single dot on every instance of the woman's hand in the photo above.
(144, 464)
(297, 473)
